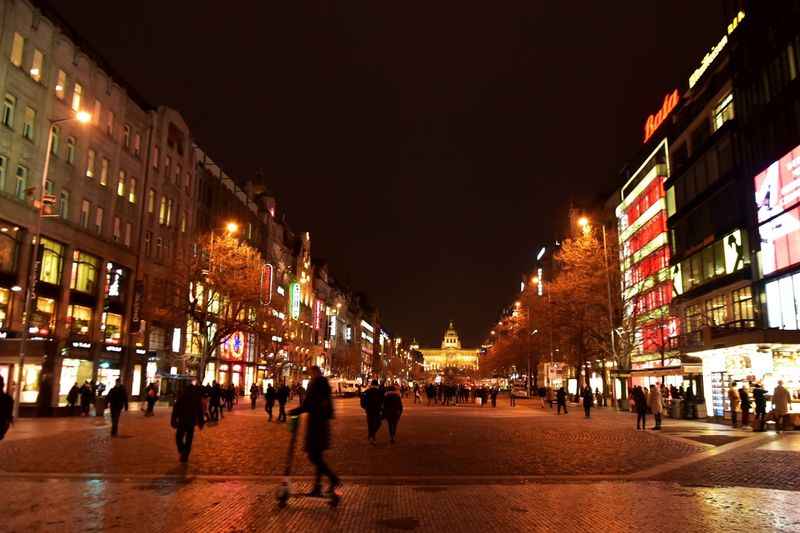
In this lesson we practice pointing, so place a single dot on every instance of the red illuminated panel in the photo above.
(778, 187)
(648, 197)
(652, 229)
(649, 265)
(780, 241)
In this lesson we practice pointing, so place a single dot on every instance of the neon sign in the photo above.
(654, 121)
(265, 288)
(709, 58)
(294, 302)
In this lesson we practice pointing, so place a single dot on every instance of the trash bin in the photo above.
(99, 406)
(675, 408)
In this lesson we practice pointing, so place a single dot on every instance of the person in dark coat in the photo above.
(215, 401)
(253, 395)
(372, 403)
(588, 400)
(760, 399)
(641, 407)
(318, 404)
(186, 414)
(6, 409)
(87, 397)
(493, 392)
(561, 400)
(72, 398)
(282, 397)
(744, 405)
(117, 398)
(269, 403)
(392, 409)
(151, 396)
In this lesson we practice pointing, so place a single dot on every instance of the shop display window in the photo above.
(107, 377)
(80, 319)
(112, 328)
(742, 300)
(73, 371)
(52, 255)
(84, 272)
(30, 383)
(44, 315)
(136, 380)
(5, 300)
(9, 246)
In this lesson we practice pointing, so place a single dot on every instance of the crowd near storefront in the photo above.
(127, 196)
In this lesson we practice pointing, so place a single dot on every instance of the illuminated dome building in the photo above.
(450, 355)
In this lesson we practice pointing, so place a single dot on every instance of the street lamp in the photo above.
(232, 227)
(84, 118)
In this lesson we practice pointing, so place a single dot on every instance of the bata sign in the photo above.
(709, 58)
(654, 121)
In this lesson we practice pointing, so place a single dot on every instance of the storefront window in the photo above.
(107, 377)
(5, 299)
(115, 282)
(8, 247)
(742, 301)
(715, 310)
(52, 261)
(73, 371)
(151, 372)
(30, 383)
(783, 297)
(80, 319)
(84, 272)
(44, 315)
(112, 328)
(136, 380)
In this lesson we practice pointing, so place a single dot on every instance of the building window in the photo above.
(37, 65)
(98, 112)
(132, 190)
(126, 136)
(117, 229)
(137, 145)
(167, 167)
(21, 184)
(43, 318)
(80, 319)
(17, 47)
(98, 220)
(85, 208)
(155, 156)
(169, 212)
(151, 201)
(148, 243)
(5, 299)
(159, 246)
(104, 171)
(127, 240)
(112, 328)
(121, 183)
(110, 123)
(162, 212)
(71, 150)
(29, 124)
(85, 269)
(61, 84)
(63, 204)
(77, 93)
(56, 141)
(8, 250)
(178, 172)
(9, 108)
(742, 300)
(183, 222)
(52, 254)
(90, 158)
(3, 167)
(715, 311)
(723, 112)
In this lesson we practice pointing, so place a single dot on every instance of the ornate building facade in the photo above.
(451, 354)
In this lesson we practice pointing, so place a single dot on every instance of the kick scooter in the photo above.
(285, 490)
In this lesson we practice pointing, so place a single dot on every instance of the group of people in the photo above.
(648, 399)
(450, 394)
(382, 403)
(740, 400)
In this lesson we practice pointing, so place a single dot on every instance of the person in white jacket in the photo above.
(656, 406)
(781, 399)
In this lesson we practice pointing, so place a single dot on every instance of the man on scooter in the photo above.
(319, 406)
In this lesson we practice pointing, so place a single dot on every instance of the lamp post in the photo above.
(33, 270)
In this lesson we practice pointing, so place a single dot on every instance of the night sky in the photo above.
(429, 147)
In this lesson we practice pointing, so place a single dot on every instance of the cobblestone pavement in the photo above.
(514, 469)
(431, 441)
(200, 506)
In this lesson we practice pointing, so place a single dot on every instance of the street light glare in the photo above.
(583, 222)
(231, 227)
(83, 117)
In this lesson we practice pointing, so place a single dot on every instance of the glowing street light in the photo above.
(231, 227)
(583, 222)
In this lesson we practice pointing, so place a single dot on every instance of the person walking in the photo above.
(87, 398)
(744, 403)
(561, 400)
(372, 403)
(588, 401)
(282, 396)
(392, 409)
(656, 405)
(117, 398)
(301, 393)
(780, 403)
(151, 396)
(269, 401)
(733, 399)
(318, 404)
(511, 397)
(641, 407)
(760, 399)
(72, 398)
(6, 409)
(230, 396)
(186, 414)
(215, 401)
(253, 395)
(417, 398)
(494, 392)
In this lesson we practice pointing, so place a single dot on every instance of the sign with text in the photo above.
(778, 187)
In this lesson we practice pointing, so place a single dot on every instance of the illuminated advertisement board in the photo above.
(780, 241)
(265, 285)
(778, 187)
(233, 347)
(294, 300)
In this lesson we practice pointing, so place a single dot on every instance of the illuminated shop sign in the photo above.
(82, 345)
(780, 241)
(141, 351)
(709, 58)
(778, 187)
(348, 333)
(655, 120)
(317, 319)
(233, 347)
(265, 285)
(281, 290)
(366, 325)
(294, 300)
(113, 348)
